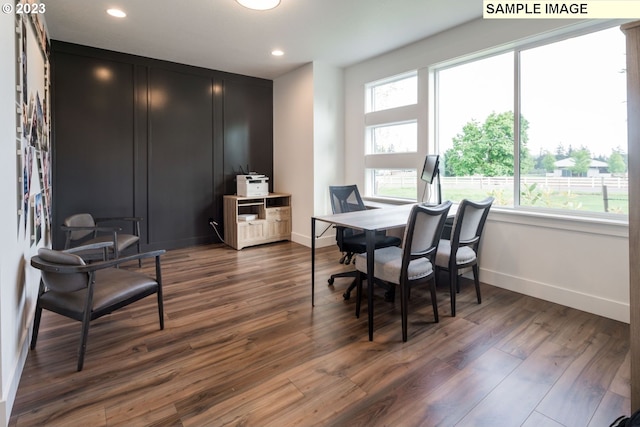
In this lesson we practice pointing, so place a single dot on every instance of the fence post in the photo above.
(605, 198)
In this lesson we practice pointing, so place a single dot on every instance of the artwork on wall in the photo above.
(33, 130)
(36, 226)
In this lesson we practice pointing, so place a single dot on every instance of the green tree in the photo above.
(487, 149)
(582, 160)
(616, 162)
(549, 162)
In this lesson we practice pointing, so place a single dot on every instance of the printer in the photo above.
(252, 185)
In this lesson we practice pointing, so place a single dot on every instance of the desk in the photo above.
(369, 221)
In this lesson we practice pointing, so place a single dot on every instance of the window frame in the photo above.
(392, 116)
(516, 50)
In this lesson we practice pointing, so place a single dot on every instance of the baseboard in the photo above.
(321, 242)
(8, 399)
(590, 303)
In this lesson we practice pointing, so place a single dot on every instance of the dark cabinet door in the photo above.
(180, 157)
(93, 144)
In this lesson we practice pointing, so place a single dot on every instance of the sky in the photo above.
(573, 93)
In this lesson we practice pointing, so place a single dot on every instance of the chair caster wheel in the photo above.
(330, 281)
(346, 295)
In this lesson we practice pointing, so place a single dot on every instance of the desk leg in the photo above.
(313, 260)
(370, 277)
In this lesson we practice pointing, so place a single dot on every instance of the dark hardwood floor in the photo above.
(243, 347)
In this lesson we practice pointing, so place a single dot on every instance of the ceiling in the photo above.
(222, 35)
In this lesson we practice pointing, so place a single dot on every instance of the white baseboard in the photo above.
(8, 399)
(615, 310)
(321, 242)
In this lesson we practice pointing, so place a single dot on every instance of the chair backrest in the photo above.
(423, 232)
(469, 223)
(345, 198)
(79, 220)
(58, 281)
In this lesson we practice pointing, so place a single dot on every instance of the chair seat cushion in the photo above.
(357, 243)
(465, 254)
(123, 240)
(114, 286)
(388, 264)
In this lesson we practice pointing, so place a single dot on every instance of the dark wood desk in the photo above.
(369, 221)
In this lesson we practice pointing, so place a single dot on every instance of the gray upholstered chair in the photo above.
(85, 292)
(411, 264)
(461, 251)
(83, 229)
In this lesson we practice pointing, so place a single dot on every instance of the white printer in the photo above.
(252, 185)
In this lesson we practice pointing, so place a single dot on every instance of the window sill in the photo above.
(566, 222)
(578, 223)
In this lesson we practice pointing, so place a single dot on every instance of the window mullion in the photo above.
(516, 130)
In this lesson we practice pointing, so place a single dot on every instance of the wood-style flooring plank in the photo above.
(242, 346)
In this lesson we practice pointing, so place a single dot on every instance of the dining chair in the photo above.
(410, 264)
(461, 251)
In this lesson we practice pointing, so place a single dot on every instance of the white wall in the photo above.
(308, 137)
(579, 264)
(293, 145)
(18, 281)
(328, 134)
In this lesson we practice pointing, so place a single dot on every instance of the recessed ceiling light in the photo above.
(259, 4)
(277, 52)
(116, 13)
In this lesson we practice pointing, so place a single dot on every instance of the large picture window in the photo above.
(559, 109)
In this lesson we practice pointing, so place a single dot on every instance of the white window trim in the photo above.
(554, 216)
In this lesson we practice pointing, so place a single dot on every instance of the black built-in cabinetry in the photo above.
(143, 137)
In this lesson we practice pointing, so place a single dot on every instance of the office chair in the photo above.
(461, 252)
(83, 229)
(84, 292)
(411, 264)
(346, 198)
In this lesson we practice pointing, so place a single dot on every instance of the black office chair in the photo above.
(346, 198)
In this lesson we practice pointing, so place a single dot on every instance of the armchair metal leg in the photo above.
(36, 327)
(83, 342)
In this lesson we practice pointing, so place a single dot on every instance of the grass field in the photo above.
(581, 201)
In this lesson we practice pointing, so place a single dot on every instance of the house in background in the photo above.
(597, 168)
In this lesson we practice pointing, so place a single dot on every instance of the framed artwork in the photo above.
(33, 129)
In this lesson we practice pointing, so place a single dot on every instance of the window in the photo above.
(394, 183)
(566, 126)
(475, 129)
(393, 138)
(391, 134)
(391, 93)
